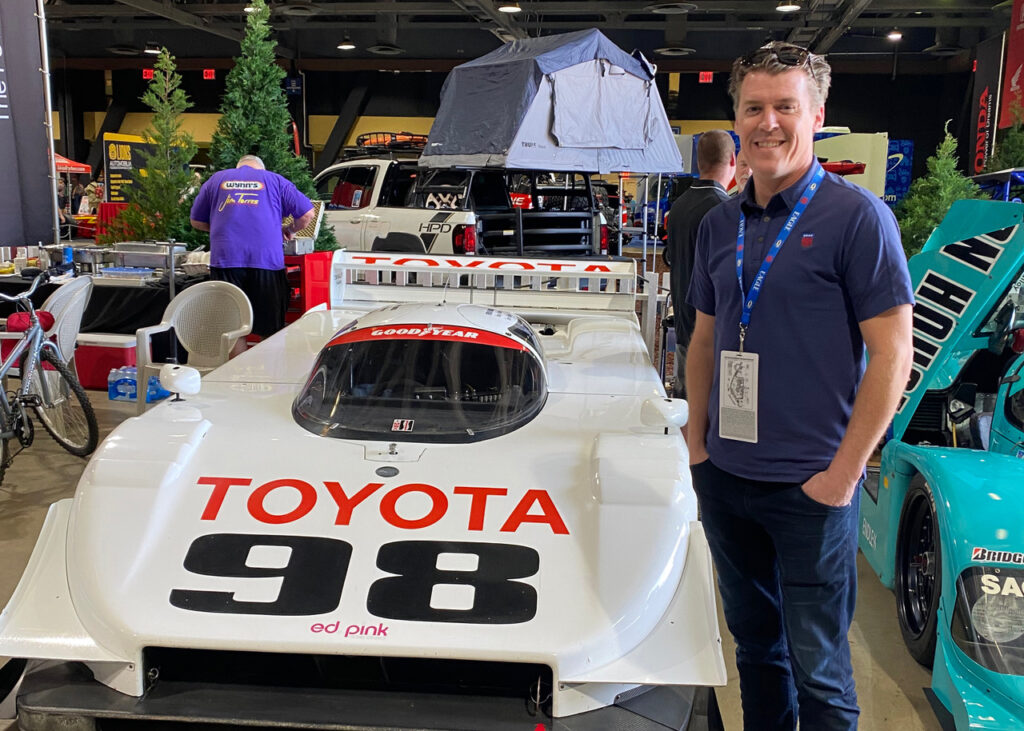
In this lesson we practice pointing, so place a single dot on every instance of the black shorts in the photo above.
(268, 293)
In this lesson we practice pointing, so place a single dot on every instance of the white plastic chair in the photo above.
(67, 304)
(208, 318)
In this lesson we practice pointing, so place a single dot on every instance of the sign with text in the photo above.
(898, 169)
(123, 164)
(985, 102)
(27, 215)
(1011, 79)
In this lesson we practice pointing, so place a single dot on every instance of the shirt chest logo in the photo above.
(807, 241)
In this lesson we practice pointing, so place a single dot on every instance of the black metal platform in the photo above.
(66, 698)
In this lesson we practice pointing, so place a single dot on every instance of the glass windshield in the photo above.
(1009, 313)
(988, 620)
(421, 383)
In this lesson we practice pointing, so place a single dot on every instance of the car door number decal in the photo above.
(313, 577)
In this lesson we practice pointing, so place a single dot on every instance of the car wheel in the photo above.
(918, 572)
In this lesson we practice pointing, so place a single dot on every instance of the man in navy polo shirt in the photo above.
(783, 412)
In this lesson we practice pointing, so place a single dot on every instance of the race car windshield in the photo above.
(421, 383)
(988, 618)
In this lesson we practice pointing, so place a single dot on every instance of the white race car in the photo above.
(456, 499)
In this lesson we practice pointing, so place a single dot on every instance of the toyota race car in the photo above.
(457, 498)
(944, 524)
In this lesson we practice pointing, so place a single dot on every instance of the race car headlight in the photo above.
(988, 619)
(998, 618)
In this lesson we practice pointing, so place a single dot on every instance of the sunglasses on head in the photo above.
(786, 55)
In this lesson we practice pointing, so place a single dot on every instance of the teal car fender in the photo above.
(977, 507)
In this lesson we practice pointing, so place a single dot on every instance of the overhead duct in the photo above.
(947, 42)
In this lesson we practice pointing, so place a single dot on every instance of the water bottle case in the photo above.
(122, 385)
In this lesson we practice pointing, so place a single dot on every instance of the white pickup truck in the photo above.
(383, 204)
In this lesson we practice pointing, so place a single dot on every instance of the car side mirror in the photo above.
(664, 412)
(180, 380)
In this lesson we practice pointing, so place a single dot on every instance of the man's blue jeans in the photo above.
(787, 573)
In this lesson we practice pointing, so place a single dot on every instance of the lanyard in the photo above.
(750, 298)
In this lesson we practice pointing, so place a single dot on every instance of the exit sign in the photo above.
(705, 77)
(147, 74)
(209, 74)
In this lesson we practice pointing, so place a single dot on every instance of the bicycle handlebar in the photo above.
(38, 276)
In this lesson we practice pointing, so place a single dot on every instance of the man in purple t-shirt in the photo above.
(243, 209)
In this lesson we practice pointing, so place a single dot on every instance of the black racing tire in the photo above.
(65, 411)
(918, 572)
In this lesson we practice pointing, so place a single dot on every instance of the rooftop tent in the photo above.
(574, 101)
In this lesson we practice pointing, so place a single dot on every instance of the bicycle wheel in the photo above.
(5, 457)
(64, 408)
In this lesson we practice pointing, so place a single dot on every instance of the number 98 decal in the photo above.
(313, 577)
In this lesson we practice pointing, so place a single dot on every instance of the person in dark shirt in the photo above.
(716, 166)
(795, 279)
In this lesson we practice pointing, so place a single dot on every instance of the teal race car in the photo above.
(943, 526)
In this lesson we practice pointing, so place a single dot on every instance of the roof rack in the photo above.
(390, 153)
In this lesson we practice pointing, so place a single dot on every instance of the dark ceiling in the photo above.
(434, 34)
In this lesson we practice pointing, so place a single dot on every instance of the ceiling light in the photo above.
(386, 49)
(670, 8)
(894, 35)
(123, 49)
(346, 44)
(788, 6)
(153, 49)
(510, 7)
(674, 51)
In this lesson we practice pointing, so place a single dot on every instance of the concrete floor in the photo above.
(890, 684)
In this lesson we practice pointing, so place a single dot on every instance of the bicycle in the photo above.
(49, 388)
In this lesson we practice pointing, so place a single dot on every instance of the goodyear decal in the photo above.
(451, 333)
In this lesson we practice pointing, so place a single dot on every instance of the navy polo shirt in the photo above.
(843, 263)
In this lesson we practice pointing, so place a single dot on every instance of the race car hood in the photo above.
(209, 523)
(963, 272)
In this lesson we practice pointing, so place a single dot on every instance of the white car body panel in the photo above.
(624, 584)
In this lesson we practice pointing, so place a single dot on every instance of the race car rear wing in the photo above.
(603, 285)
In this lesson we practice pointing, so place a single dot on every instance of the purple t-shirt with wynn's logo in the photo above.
(244, 207)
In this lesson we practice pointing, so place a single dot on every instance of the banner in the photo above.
(898, 171)
(26, 216)
(1014, 65)
(123, 164)
(985, 95)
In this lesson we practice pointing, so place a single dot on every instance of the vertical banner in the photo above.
(898, 169)
(123, 164)
(988, 68)
(1014, 65)
(26, 215)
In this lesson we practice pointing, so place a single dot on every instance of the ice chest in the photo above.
(98, 353)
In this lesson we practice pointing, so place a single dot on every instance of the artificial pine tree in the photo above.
(254, 114)
(930, 196)
(155, 208)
